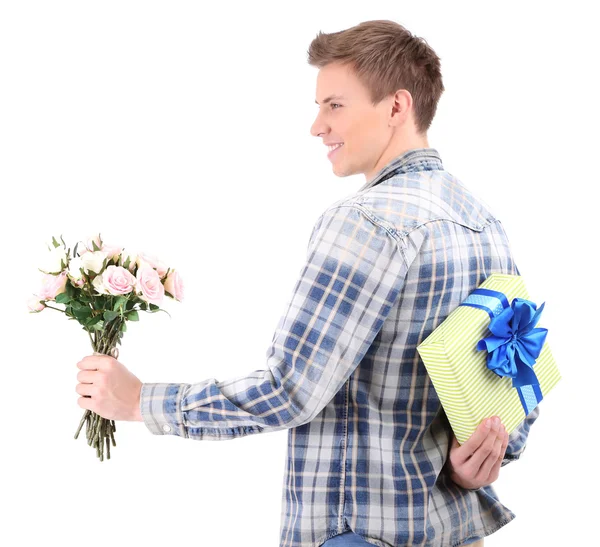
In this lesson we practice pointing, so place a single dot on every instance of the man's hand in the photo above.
(477, 462)
(108, 388)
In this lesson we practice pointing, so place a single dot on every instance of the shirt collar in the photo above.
(415, 159)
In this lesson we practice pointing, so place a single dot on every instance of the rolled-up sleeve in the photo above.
(353, 274)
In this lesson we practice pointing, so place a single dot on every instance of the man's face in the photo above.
(351, 119)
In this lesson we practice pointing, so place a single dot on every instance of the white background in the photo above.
(182, 129)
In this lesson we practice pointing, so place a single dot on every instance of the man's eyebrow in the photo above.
(331, 98)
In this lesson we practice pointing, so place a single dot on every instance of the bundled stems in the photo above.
(99, 430)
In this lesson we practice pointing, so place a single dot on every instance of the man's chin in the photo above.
(339, 172)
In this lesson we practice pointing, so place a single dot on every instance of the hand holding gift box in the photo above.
(487, 358)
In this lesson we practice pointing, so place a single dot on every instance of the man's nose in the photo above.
(317, 128)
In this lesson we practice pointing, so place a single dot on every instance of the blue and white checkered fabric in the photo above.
(367, 436)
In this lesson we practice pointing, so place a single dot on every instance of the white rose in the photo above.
(89, 242)
(74, 269)
(98, 284)
(52, 261)
(81, 249)
(87, 245)
(92, 261)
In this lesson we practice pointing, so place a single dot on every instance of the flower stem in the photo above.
(101, 430)
(83, 419)
(53, 308)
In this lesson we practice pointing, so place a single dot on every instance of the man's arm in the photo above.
(354, 272)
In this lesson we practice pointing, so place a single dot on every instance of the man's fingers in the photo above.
(504, 445)
(86, 389)
(92, 362)
(475, 440)
(483, 451)
(87, 376)
(491, 460)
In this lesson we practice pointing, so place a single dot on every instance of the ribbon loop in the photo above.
(515, 344)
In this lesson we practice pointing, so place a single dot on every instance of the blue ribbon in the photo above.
(515, 343)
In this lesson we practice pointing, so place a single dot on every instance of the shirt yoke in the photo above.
(407, 201)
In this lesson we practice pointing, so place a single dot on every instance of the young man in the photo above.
(372, 459)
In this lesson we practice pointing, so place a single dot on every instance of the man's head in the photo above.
(390, 81)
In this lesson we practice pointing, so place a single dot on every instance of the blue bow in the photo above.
(515, 344)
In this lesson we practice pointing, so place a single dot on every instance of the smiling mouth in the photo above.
(332, 152)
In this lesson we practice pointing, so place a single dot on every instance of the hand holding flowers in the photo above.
(108, 388)
(102, 287)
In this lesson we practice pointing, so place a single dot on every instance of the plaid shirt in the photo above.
(367, 436)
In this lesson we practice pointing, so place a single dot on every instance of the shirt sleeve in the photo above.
(353, 274)
(517, 440)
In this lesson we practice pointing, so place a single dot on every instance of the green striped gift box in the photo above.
(467, 389)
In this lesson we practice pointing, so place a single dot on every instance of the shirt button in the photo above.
(166, 428)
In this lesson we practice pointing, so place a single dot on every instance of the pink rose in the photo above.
(112, 251)
(154, 262)
(149, 286)
(118, 280)
(79, 283)
(34, 304)
(174, 285)
(52, 286)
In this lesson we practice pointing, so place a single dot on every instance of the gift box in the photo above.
(490, 357)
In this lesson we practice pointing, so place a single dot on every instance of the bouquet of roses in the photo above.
(102, 287)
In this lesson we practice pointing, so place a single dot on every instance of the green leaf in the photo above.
(104, 264)
(55, 243)
(130, 304)
(95, 247)
(75, 250)
(119, 301)
(93, 320)
(63, 242)
(63, 298)
(133, 316)
(82, 314)
(126, 265)
(154, 307)
(123, 326)
(70, 289)
(144, 306)
(110, 315)
(98, 326)
(75, 304)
